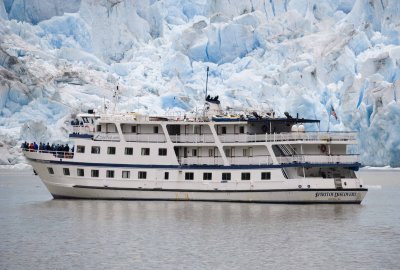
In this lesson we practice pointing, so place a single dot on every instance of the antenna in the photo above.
(207, 81)
(115, 98)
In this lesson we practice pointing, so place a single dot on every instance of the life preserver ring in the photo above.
(264, 128)
(323, 148)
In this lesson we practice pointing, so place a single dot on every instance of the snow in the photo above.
(302, 56)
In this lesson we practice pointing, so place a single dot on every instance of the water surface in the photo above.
(38, 232)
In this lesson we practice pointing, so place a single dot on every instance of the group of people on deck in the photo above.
(46, 147)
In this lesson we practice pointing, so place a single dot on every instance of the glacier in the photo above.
(302, 56)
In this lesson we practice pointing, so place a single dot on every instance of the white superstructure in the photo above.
(212, 157)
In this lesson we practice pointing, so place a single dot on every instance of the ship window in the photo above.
(110, 174)
(95, 173)
(223, 130)
(227, 152)
(66, 171)
(133, 129)
(155, 129)
(80, 149)
(194, 152)
(129, 151)
(265, 175)
(245, 152)
(241, 129)
(189, 176)
(226, 176)
(50, 170)
(95, 149)
(142, 175)
(80, 172)
(145, 151)
(126, 174)
(98, 128)
(166, 175)
(210, 152)
(207, 176)
(245, 176)
(111, 150)
(162, 151)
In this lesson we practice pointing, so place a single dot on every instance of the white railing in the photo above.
(101, 136)
(330, 159)
(192, 138)
(312, 136)
(259, 160)
(201, 161)
(228, 138)
(157, 138)
(57, 154)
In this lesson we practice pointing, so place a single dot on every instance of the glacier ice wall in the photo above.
(302, 56)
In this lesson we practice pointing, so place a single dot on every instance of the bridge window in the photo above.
(111, 150)
(189, 176)
(80, 149)
(80, 172)
(129, 151)
(66, 171)
(95, 173)
(110, 174)
(126, 174)
(226, 176)
(265, 175)
(98, 128)
(95, 149)
(241, 129)
(245, 176)
(162, 151)
(207, 176)
(50, 170)
(155, 129)
(145, 151)
(142, 175)
(194, 152)
(133, 129)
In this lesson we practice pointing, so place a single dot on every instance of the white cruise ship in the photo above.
(210, 157)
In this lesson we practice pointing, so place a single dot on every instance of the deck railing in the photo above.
(257, 160)
(156, 138)
(312, 136)
(201, 161)
(318, 159)
(228, 138)
(289, 136)
(57, 154)
(192, 138)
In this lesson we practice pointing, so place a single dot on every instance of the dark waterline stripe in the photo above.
(221, 191)
(353, 166)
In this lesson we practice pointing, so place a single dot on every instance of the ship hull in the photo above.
(303, 196)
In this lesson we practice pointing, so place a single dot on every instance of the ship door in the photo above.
(338, 183)
(185, 152)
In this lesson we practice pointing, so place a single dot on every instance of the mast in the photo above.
(207, 81)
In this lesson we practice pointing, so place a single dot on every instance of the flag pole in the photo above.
(329, 119)
(207, 82)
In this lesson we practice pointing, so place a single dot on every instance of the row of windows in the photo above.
(143, 174)
(111, 150)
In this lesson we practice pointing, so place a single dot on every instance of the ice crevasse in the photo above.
(301, 56)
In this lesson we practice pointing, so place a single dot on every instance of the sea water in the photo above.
(37, 232)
